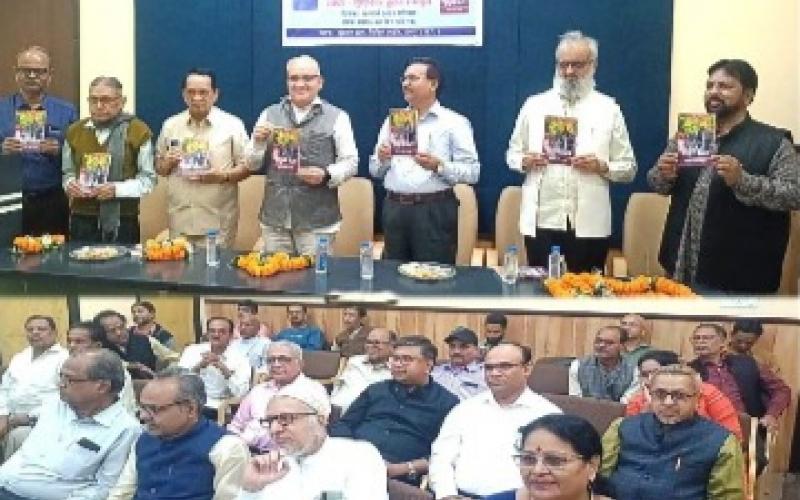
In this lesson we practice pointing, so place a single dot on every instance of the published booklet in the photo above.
(403, 131)
(696, 138)
(194, 156)
(30, 127)
(95, 169)
(286, 149)
(559, 143)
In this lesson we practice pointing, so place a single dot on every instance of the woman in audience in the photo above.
(558, 459)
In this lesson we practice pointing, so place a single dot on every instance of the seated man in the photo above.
(350, 341)
(225, 372)
(401, 416)
(463, 374)
(494, 330)
(672, 453)
(30, 380)
(249, 343)
(308, 337)
(363, 370)
(711, 403)
(636, 337)
(247, 309)
(182, 454)
(285, 362)
(744, 335)
(308, 464)
(473, 455)
(606, 374)
(139, 353)
(80, 443)
(144, 323)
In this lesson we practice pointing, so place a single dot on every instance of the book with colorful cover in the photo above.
(559, 142)
(194, 156)
(95, 169)
(30, 127)
(286, 149)
(696, 138)
(403, 131)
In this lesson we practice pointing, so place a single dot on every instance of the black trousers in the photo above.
(7, 495)
(85, 228)
(45, 212)
(581, 254)
(423, 232)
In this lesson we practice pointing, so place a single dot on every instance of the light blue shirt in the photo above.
(67, 457)
(254, 349)
(464, 382)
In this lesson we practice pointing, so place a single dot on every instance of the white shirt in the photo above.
(442, 133)
(218, 387)
(353, 468)
(474, 449)
(28, 382)
(253, 349)
(357, 375)
(558, 193)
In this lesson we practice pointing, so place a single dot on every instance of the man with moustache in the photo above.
(350, 341)
(364, 369)
(463, 373)
(568, 205)
(606, 373)
(636, 335)
(728, 225)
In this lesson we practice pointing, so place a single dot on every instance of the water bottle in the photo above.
(212, 248)
(323, 251)
(511, 265)
(554, 263)
(365, 257)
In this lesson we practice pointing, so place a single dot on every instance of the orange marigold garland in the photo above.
(257, 264)
(37, 244)
(176, 249)
(597, 285)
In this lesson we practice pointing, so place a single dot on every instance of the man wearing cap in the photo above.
(463, 374)
(308, 464)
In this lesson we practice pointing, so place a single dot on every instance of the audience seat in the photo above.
(153, 218)
(323, 366)
(467, 224)
(357, 204)
(399, 490)
(251, 192)
(641, 236)
(599, 412)
(790, 277)
(550, 375)
(506, 227)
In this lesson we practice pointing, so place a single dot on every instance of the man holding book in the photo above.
(421, 153)
(107, 165)
(44, 205)
(728, 222)
(571, 142)
(305, 147)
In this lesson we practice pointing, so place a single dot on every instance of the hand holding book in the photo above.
(428, 161)
(668, 166)
(728, 167)
(589, 164)
(313, 176)
(533, 161)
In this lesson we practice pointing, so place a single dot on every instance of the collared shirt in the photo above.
(263, 331)
(69, 457)
(130, 188)
(308, 337)
(778, 395)
(463, 381)
(635, 355)
(39, 171)
(217, 386)
(575, 384)
(247, 421)
(196, 207)
(474, 450)
(441, 132)
(228, 456)
(29, 382)
(253, 348)
(353, 469)
(400, 420)
(357, 375)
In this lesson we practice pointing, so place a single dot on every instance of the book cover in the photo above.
(696, 138)
(95, 169)
(194, 156)
(559, 143)
(30, 127)
(286, 149)
(403, 131)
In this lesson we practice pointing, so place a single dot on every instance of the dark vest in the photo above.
(177, 469)
(745, 371)
(665, 462)
(597, 383)
(311, 207)
(83, 140)
(742, 246)
(138, 350)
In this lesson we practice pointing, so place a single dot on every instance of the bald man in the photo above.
(636, 344)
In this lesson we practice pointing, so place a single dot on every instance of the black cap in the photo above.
(462, 334)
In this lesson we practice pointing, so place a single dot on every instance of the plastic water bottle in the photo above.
(365, 258)
(554, 263)
(323, 251)
(212, 248)
(511, 265)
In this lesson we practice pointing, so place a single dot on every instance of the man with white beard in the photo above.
(567, 204)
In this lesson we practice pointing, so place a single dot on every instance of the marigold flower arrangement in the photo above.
(37, 244)
(596, 285)
(175, 249)
(257, 264)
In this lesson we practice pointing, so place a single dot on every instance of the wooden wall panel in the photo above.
(176, 314)
(14, 311)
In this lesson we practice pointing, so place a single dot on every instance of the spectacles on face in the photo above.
(104, 100)
(576, 65)
(501, 367)
(70, 380)
(284, 419)
(550, 460)
(276, 360)
(705, 338)
(377, 342)
(153, 410)
(304, 79)
(36, 72)
(403, 359)
(677, 396)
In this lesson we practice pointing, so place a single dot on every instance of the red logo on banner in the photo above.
(454, 6)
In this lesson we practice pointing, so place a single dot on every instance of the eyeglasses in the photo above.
(410, 78)
(549, 460)
(302, 78)
(274, 360)
(69, 380)
(501, 367)
(157, 409)
(705, 338)
(33, 71)
(105, 100)
(677, 396)
(377, 342)
(284, 419)
(576, 65)
(403, 359)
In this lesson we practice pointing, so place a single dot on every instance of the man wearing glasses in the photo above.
(672, 452)
(472, 456)
(365, 369)
(302, 203)
(565, 202)
(44, 204)
(284, 361)
(181, 454)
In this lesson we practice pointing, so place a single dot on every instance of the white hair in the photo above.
(303, 59)
(575, 37)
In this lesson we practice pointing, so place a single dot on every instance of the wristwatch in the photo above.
(412, 471)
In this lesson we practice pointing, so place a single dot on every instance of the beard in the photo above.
(573, 89)
(719, 108)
